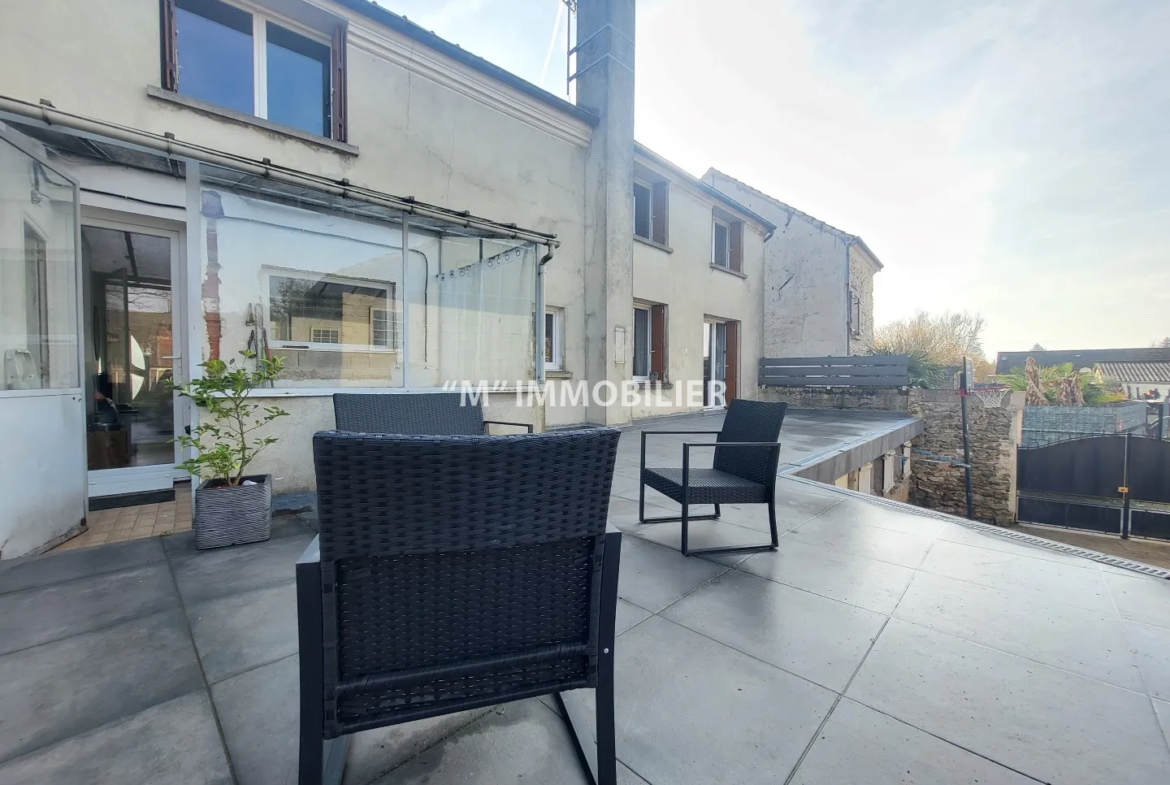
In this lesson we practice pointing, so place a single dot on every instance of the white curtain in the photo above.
(486, 329)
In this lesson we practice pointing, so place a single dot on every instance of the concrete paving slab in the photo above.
(839, 530)
(691, 711)
(846, 577)
(702, 534)
(819, 639)
(204, 575)
(1150, 647)
(1047, 723)
(628, 614)
(1141, 598)
(859, 746)
(1085, 642)
(71, 686)
(517, 742)
(653, 577)
(258, 711)
(48, 569)
(1035, 579)
(173, 743)
(246, 630)
(34, 616)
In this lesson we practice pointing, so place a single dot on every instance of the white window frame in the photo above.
(391, 328)
(267, 273)
(260, 17)
(649, 342)
(725, 263)
(640, 183)
(317, 333)
(558, 337)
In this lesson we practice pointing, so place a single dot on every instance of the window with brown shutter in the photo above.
(339, 106)
(735, 242)
(732, 372)
(170, 57)
(658, 342)
(660, 205)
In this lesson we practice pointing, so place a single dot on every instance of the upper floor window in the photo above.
(650, 208)
(554, 328)
(727, 244)
(245, 60)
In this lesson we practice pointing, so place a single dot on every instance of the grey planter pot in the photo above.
(233, 516)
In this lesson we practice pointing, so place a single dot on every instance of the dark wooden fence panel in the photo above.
(870, 371)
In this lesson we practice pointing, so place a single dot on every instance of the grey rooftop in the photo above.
(880, 644)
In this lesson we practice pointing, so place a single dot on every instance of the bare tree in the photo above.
(943, 339)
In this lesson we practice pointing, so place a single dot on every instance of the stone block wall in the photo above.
(994, 432)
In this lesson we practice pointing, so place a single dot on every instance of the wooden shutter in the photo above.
(732, 372)
(659, 201)
(168, 40)
(735, 238)
(338, 110)
(658, 341)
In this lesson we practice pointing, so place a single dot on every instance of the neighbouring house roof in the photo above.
(795, 213)
(1154, 373)
(408, 28)
(706, 188)
(1081, 358)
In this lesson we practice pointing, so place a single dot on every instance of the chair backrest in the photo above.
(459, 568)
(750, 421)
(424, 414)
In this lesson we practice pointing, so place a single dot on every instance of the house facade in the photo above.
(326, 182)
(818, 280)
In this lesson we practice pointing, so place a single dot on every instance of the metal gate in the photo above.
(1118, 484)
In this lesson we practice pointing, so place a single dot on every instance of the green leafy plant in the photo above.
(921, 372)
(226, 443)
(1094, 390)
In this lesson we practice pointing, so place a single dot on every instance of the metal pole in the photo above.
(1125, 492)
(966, 452)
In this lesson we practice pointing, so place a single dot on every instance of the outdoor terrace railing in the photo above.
(869, 371)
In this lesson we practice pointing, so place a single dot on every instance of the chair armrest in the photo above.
(686, 467)
(505, 422)
(642, 463)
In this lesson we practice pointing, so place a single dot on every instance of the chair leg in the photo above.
(718, 512)
(641, 499)
(772, 523)
(685, 520)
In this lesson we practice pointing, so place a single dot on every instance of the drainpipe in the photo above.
(539, 355)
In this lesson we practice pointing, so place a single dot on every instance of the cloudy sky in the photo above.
(1010, 158)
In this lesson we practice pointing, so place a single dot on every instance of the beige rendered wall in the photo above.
(861, 273)
(684, 280)
(805, 293)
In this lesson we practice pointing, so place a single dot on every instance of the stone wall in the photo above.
(888, 400)
(994, 433)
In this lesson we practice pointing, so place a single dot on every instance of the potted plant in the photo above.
(231, 507)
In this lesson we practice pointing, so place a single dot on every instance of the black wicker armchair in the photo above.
(744, 471)
(425, 414)
(452, 573)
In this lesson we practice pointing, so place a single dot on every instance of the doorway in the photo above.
(132, 337)
(720, 360)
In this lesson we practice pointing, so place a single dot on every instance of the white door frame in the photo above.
(70, 465)
(139, 479)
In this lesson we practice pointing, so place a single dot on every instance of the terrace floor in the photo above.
(881, 644)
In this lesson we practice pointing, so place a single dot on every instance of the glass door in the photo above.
(714, 359)
(131, 339)
(41, 411)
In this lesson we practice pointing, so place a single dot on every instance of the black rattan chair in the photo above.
(454, 573)
(744, 470)
(425, 414)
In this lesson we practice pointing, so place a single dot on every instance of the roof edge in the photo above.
(401, 24)
(712, 172)
(707, 188)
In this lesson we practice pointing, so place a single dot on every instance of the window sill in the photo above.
(550, 373)
(650, 384)
(728, 270)
(223, 113)
(644, 241)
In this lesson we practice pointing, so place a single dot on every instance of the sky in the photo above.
(1006, 158)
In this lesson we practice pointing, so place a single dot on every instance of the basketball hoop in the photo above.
(992, 397)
